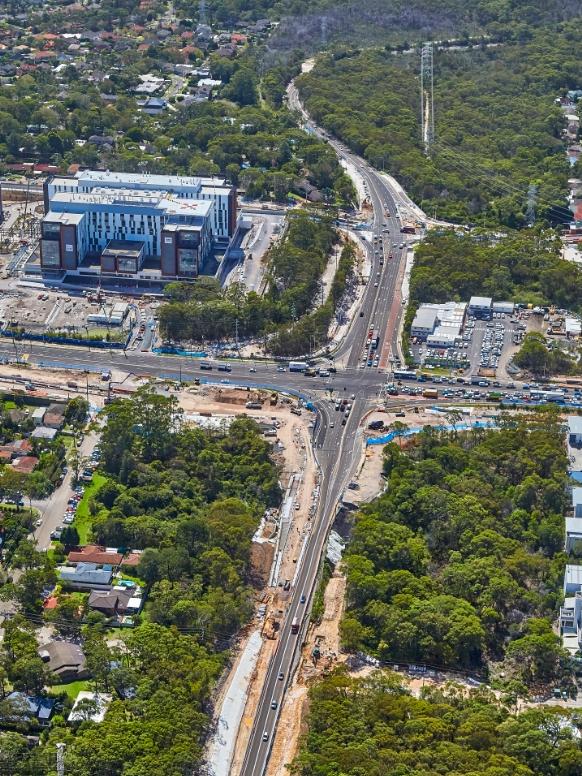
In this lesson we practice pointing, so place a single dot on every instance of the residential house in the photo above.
(64, 659)
(572, 579)
(35, 706)
(307, 190)
(228, 51)
(55, 416)
(43, 432)
(101, 701)
(95, 553)
(105, 142)
(573, 542)
(19, 447)
(26, 464)
(86, 576)
(38, 415)
(575, 431)
(153, 106)
(112, 603)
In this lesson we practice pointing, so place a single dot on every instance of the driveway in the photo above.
(53, 509)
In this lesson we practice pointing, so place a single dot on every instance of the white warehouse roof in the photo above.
(425, 318)
(480, 301)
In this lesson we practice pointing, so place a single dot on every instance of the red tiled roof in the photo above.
(132, 559)
(19, 446)
(26, 464)
(94, 553)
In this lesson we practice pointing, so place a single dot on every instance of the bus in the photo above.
(404, 374)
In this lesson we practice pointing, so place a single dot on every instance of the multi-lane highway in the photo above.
(336, 445)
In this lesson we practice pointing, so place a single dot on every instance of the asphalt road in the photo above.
(336, 445)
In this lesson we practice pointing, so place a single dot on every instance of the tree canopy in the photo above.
(460, 556)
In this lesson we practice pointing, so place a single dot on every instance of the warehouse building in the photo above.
(481, 306)
(439, 324)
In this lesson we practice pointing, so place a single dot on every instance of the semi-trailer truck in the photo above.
(295, 625)
(298, 366)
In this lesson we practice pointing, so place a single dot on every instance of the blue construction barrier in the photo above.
(169, 351)
(383, 440)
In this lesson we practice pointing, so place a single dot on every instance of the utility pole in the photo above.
(323, 26)
(530, 213)
(427, 96)
(61, 759)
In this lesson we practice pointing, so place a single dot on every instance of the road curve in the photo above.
(336, 448)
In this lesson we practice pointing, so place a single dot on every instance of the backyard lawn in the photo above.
(72, 689)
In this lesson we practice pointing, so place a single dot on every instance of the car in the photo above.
(281, 676)
(361, 313)
(266, 735)
(281, 369)
(252, 369)
(302, 599)
(38, 522)
(56, 534)
(343, 421)
(375, 285)
(273, 704)
(68, 519)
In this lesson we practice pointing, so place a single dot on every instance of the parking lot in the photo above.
(484, 346)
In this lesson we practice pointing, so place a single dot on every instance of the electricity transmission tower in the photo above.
(202, 18)
(427, 96)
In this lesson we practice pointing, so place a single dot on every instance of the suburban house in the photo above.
(117, 602)
(575, 431)
(26, 464)
(86, 576)
(94, 553)
(44, 432)
(55, 416)
(64, 659)
(573, 542)
(99, 701)
(38, 415)
(572, 579)
(35, 707)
